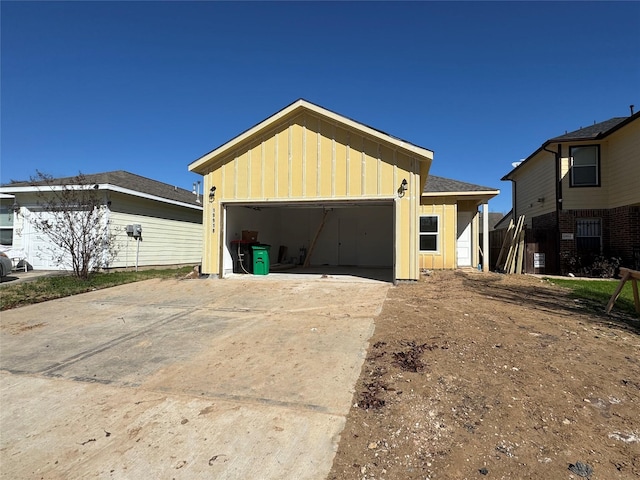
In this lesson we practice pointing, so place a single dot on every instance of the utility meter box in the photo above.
(137, 230)
(129, 230)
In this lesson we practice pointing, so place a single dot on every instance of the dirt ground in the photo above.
(472, 376)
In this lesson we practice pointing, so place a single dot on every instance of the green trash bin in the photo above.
(260, 259)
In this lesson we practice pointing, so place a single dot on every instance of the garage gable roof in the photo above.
(120, 181)
(295, 109)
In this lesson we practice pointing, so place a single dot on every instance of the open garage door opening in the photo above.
(329, 238)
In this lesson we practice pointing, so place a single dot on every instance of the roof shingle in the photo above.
(130, 181)
(597, 131)
(592, 131)
(447, 185)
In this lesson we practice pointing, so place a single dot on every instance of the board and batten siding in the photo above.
(309, 158)
(535, 180)
(446, 210)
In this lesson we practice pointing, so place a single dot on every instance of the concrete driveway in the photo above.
(244, 378)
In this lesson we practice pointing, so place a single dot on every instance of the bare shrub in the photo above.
(73, 216)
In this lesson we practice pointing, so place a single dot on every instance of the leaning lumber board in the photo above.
(627, 274)
(520, 255)
(509, 266)
(307, 261)
(505, 242)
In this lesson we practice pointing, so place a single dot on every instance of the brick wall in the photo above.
(545, 221)
(624, 233)
(620, 232)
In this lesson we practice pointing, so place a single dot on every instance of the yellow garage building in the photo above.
(323, 189)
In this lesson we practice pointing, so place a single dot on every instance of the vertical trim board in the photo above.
(304, 156)
(379, 170)
(262, 171)
(333, 160)
(319, 159)
(347, 176)
(290, 161)
(276, 193)
(363, 160)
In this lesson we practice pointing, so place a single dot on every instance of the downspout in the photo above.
(558, 156)
(513, 199)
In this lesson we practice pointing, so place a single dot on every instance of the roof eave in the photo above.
(476, 193)
(148, 196)
(543, 147)
(102, 186)
(554, 140)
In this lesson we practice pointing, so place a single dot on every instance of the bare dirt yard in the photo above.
(472, 376)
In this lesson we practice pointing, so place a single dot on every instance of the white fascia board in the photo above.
(135, 193)
(102, 186)
(41, 188)
(422, 153)
(115, 188)
(243, 136)
(483, 193)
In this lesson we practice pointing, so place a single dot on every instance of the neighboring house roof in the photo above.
(295, 109)
(494, 218)
(592, 131)
(504, 221)
(597, 131)
(121, 181)
(439, 185)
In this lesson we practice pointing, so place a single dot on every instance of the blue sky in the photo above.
(149, 87)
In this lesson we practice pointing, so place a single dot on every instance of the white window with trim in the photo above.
(429, 233)
(589, 236)
(585, 166)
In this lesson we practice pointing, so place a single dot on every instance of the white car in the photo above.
(5, 265)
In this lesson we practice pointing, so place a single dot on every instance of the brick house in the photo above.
(583, 188)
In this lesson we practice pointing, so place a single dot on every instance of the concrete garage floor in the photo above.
(243, 378)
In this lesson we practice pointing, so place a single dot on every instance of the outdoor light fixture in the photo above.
(403, 187)
(196, 190)
(212, 194)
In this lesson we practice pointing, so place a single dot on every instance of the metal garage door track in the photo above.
(225, 379)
